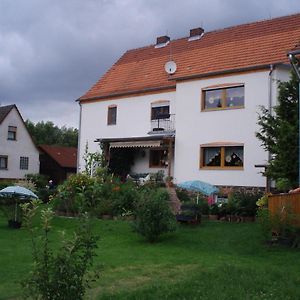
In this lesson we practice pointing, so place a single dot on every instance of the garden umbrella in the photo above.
(19, 192)
(199, 186)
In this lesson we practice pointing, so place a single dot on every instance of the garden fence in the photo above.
(285, 203)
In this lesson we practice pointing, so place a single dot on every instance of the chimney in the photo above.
(162, 39)
(196, 33)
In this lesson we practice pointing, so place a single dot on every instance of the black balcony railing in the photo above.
(165, 123)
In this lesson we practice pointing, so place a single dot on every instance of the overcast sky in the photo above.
(52, 51)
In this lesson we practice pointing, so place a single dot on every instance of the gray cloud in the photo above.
(52, 51)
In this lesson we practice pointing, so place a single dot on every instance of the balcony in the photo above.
(163, 124)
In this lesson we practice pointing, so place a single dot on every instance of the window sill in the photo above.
(111, 124)
(223, 168)
(222, 108)
(3, 169)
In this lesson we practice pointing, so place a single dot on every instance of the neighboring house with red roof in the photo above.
(210, 83)
(18, 154)
(57, 162)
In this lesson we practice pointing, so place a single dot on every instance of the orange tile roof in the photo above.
(232, 49)
(66, 157)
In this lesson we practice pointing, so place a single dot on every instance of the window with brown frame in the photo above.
(223, 98)
(3, 162)
(158, 158)
(112, 115)
(225, 157)
(12, 133)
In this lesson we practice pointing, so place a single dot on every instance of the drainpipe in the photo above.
(295, 62)
(79, 134)
(270, 108)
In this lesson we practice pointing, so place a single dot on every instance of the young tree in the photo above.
(279, 134)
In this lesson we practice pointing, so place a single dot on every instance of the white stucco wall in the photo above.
(195, 127)
(133, 120)
(22, 146)
(141, 165)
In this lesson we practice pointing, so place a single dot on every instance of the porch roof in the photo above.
(136, 142)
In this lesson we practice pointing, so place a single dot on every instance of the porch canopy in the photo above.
(138, 142)
(165, 141)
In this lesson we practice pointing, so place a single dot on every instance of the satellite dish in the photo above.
(170, 67)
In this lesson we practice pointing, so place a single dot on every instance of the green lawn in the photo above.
(210, 261)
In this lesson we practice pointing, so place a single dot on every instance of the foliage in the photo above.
(42, 189)
(62, 274)
(49, 134)
(70, 196)
(99, 195)
(153, 215)
(279, 129)
(183, 195)
(27, 184)
(243, 202)
(4, 184)
(283, 184)
(279, 226)
(214, 209)
(158, 177)
(124, 197)
(94, 161)
(262, 202)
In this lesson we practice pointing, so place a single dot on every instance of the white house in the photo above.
(18, 154)
(189, 106)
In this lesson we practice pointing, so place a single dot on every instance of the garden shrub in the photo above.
(183, 195)
(203, 205)
(4, 184)
(153, 215)
(99, 195)
(41, 183)
(60, 274)
(124, 197)
(279, 227)
(243, 202)
(70, 196)
(214, 209)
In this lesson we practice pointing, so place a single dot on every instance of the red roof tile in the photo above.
(231, 49)
(66, 157)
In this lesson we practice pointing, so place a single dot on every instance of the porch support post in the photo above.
(106, 153)
(170, 156)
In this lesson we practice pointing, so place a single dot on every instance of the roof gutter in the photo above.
(253, 68)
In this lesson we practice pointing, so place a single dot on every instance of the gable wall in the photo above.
(23, 146)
